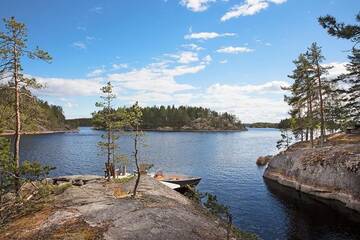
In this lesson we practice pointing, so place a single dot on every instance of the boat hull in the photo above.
(184, 182)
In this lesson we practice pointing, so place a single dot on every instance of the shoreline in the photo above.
(313, 170)
(90, 206)
(6, 134)
(194, 130)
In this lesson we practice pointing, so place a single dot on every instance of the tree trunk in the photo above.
(136, 162)
(322, 123)
(18, 124)
(109, 152)
(311, 123)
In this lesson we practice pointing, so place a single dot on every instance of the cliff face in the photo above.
(331, 172)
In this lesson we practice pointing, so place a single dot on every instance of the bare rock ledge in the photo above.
(104, 210)
(331, 172)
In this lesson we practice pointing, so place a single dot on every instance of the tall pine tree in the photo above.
(13, 49)
(351, 96)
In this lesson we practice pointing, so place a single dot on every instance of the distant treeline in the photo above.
(37, 115)
(262, 125)
(178, 118)
(77, 122)
(185, 117)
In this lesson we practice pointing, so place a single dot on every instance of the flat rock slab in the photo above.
(105, 210)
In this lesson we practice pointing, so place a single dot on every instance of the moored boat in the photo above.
(179, 179)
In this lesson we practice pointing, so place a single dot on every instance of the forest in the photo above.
(321, 105)
(183, 118)
(37, 115)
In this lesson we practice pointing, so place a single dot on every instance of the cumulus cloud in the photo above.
(207, 35)
(119, 65)
(248, 8)
(207, 59)
(269, 87)
(234, 50)
(187, 57)
(96, 72)
(196, 5)
(192, 46)
(69, 87)
(251, 103)
(157, 78)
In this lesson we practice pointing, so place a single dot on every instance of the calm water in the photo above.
(226, 163)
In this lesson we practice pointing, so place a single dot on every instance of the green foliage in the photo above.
(7, 166)
(111, 121)
(36, 114)
(215, 207)
(341, 30)
(314, 99)
(79, 122)
(48, 189)
(262, 125)
(193, 194)
(350, 95)
(34, 171)
(29, 171)
(186, 116)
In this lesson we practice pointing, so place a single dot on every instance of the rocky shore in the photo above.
(92, 208)
(331, 171)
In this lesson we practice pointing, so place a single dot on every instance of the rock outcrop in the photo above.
(104, 210)
(331, 172)
(263, 160)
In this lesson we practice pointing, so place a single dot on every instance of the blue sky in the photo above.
(228, 55)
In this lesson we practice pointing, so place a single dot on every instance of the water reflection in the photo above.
(309, 218)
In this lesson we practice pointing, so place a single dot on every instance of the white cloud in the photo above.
(248, 8)
(207, 59)
(269, 87)
(207, 35)
(196, 5)
(79, 45)
(96, 72)
(223, 61)
(336, 70)
(187, 57)
(69, 87)
(67, 103)
(192, 46)
(157, 78)
(234, 50)
(119, 65)
(251, 103)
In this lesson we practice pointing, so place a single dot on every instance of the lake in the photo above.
(226, 163)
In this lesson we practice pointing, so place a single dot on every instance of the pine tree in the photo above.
(302, 99)
(111, 121)
(286, 137)
(134, 116)
(13, 49)
(351, 94)
(317, 72)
